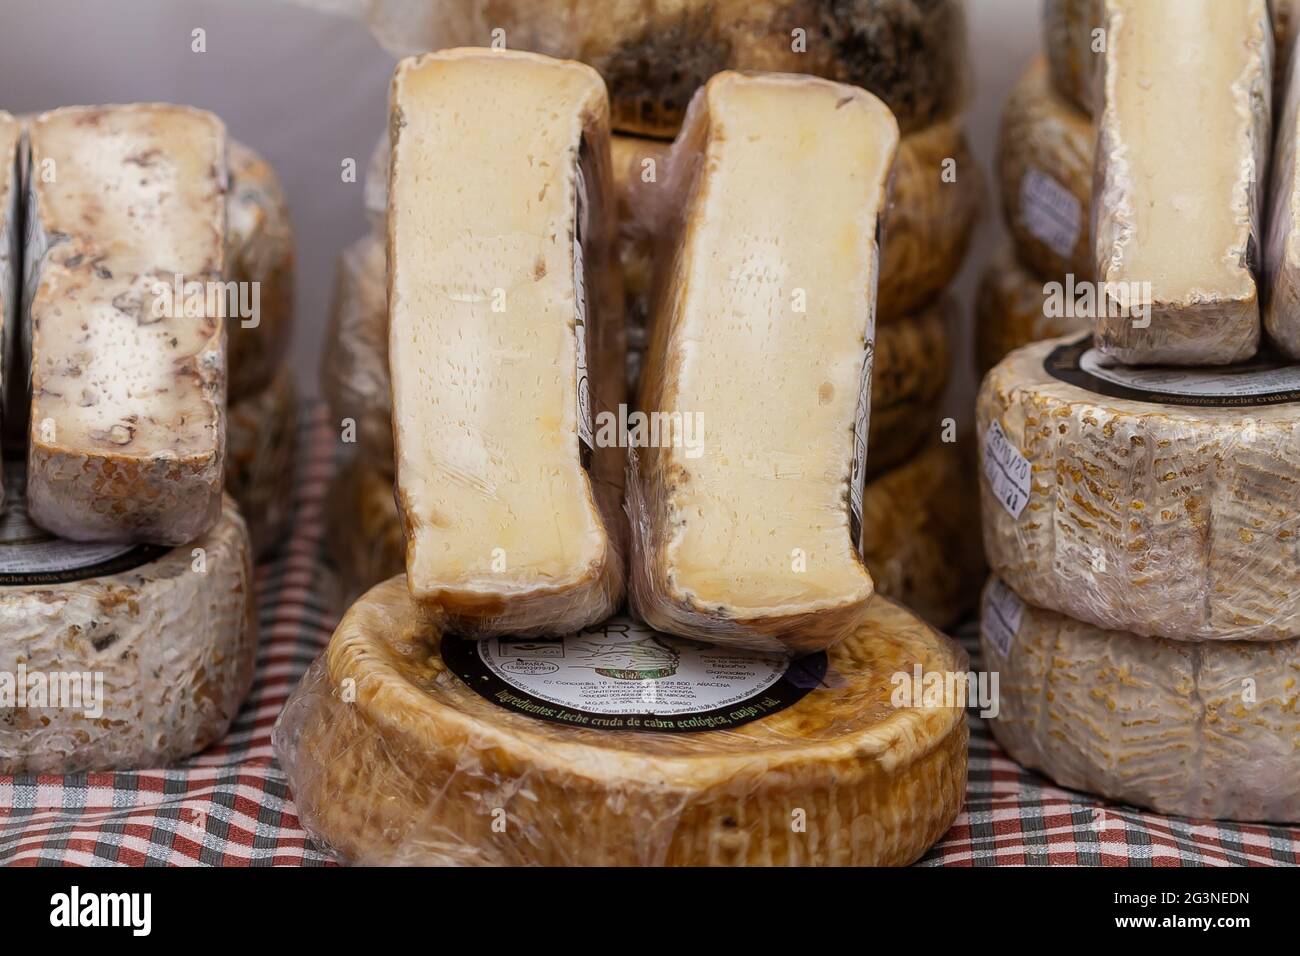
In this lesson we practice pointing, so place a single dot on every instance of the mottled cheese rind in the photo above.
(1013, 307)
(11, 264)
(411, 771)
(909, 374)
(174, 642)
(762, 334)
(1164, 520)
(1282, 253)
(1070, 38)
(1199, 730)
(1181, 166)
(1044, 169)
(260, 249)
(261, 457)
(128, 380)
(493, 372)
(654, 54)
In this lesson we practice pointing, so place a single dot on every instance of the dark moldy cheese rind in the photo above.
(410, 768)
(128, 384)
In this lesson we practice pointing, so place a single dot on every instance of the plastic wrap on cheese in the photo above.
(261, 455)
(654, 54)
(1181, 169)
(260, 244)
(1155, 500)
(1044, 168)
(1200, 730)
(1014, 307)
(393, 758)
(123, 657)
(759, 367)
(363, 529)
(1282, 252)
(506, 341)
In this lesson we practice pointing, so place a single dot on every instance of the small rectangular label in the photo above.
(1007, 471)
(1000, 622)
(1050, 212)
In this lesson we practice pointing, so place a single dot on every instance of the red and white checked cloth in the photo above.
(230, 806)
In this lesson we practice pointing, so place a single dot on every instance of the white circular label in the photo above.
(1248, 379)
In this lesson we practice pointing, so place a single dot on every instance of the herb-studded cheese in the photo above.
(505, 340)
(1155, 500)
(1178, 236)
(125, 293)
(1201, 730)
(749, 535)
(402, 747)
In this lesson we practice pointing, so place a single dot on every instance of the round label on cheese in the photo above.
(30, 556)
(622, 675)
(1264, 380)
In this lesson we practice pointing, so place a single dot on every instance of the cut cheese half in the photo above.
(418, 768)
(1044, 163)
(11, 268)
(260, 249)
(1178, 233)
(130, 657)
(1159, 501)
(126, 224)
(261, 455)
(762, 337)
(1013, 307)
(1201, 730)
(506, 340)
(654, 54)
(1282, 255)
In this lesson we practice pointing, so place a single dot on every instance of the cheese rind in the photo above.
(363, 529)
(416, 770)
(1069, 37)
(506, 340)
(1165, 520)
(1282, 255)
(260, 249)
(1044, 164)
(1201, 730)
(765, 341)
(1013, 308)
(175, 644)
(128, 380)
(654, 54)
(909, 373)
(261, 455)
(11, 265)
(1180, 235)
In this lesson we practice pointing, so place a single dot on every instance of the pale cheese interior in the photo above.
(485, 402)
(787, 205)
(126, 199)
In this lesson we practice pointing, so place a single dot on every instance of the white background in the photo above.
(308, 90)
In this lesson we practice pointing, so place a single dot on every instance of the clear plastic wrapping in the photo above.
(654, 54)
(168, 646)
(260, 250)
(1044, 168)
(1011, 310)
(393, 759)
(1172, 520)
(1201, 730)
(362, 527)
(261, 452)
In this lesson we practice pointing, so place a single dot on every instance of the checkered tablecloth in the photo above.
(230, 805)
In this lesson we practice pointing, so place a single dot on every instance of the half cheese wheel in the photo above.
(1044, 163)
(261, 451)
(147, 652)
(1013, 308)
(394, 759)
(1201, 730)
(1158, 501)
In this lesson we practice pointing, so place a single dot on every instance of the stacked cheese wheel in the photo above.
(149, 299)
(648, 600)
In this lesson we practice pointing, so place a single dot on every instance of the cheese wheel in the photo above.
(654, 54)
(149, 650)
(908, 379)
(1200, 730)
(1013, 307)
(11, 268)
(260, 245)
(261, 452)
(919, 543)
(1045, 151)
(1139, 514)
(394, 759)
(925, 229)
(1068, 38)
(1282, 248)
